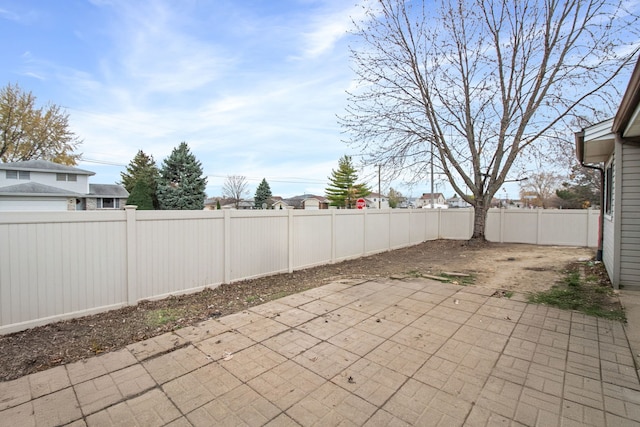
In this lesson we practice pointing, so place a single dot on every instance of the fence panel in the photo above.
(349, 234)
(60, 265)
(377, 231)
(259, 244)
(178, 252)
(311, 241)
(400, 228)
(57, 265)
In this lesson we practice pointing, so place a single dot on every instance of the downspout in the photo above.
(579, 138)
(601, 216)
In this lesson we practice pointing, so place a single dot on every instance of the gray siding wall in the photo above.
(630, 217)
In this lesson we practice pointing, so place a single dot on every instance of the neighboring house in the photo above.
(615, 145)
(305, 201)
(457, 202)
(40, 185)
(373, 199)
(438, 199)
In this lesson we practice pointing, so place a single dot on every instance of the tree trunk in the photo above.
(479, 221)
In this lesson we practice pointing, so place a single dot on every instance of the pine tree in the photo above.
(343, 190)
(263, 194)
(141, 196)
(142, 168)
(181, 185)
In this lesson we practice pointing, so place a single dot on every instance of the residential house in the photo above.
(377, 201)
(613, 146)
(457, 202)
(40, 185)
(305, 201)
(425, 200)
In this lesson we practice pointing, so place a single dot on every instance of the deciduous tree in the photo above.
(181, 184)
(235, 189)
(28, 132)
(471, 85)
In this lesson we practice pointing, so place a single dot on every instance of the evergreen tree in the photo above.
(343, 190)
(263, 194)
(142, 168)
(181, 184)
(141, 196)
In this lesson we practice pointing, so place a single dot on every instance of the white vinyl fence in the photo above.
(59, 265)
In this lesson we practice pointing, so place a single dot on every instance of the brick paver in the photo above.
(387, 352)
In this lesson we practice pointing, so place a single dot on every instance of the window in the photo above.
(108, 203)
(608, 189)
(66, 177)
(18, 175)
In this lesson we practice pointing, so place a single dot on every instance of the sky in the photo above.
(253, 86)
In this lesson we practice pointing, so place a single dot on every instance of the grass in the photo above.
(162, 316)
(582, 292)
(460, 280)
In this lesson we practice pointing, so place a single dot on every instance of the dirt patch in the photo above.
(505, 267)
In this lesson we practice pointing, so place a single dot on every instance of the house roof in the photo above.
(428, 195)
(43, 166)
(108, 190)
(627, 119)
(594, 144)
(36, 189)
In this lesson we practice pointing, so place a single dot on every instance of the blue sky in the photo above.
(253, 86)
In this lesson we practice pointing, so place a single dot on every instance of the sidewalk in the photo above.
(387, 352)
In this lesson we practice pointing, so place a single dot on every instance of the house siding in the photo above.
(630, 217)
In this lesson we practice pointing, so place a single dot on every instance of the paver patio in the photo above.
(376, 353)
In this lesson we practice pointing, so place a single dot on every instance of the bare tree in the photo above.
(540, 188)
(471, 85)
(235, 188)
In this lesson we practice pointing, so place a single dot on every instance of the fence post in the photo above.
(502, 215)
(290, 241)
(333, 236)
(364, 231)
(227, 246)
(132, 249)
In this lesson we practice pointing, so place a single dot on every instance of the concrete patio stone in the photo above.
(286, 384)
(293, 317)
(199, 387)
(151, 408)
(14, 393)
(291, 343)
(387, 352)
(175, 364)
(152, 347)
(94, 367)
(49, 381)
(240, 406)
(251, 362)
(58, 408)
